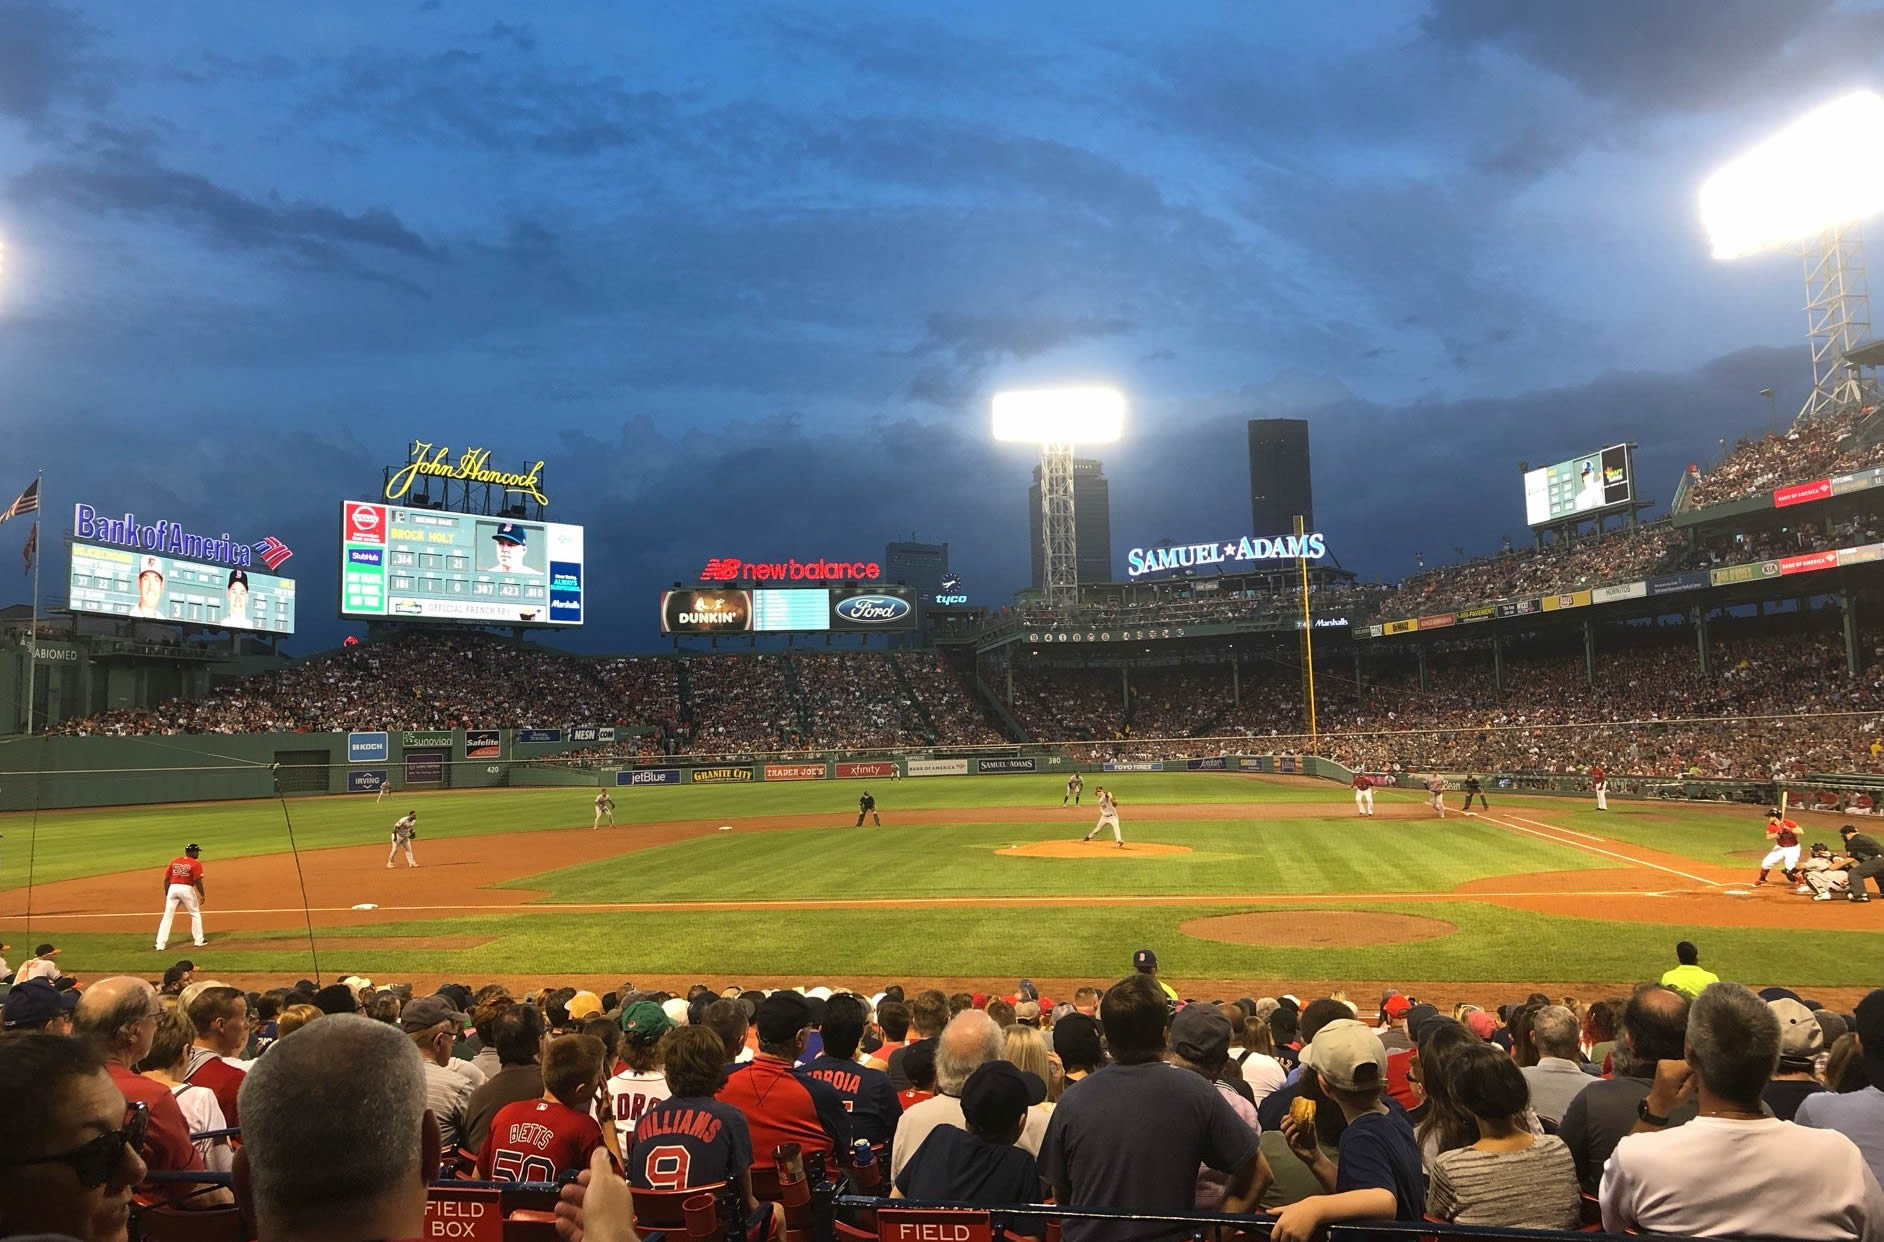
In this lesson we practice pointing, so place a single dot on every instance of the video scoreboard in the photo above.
(423, 564)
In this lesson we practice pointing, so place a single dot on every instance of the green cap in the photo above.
(644, 1022)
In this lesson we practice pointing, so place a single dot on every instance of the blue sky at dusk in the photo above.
(746, 275)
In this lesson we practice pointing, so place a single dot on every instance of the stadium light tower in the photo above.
(1056, 419)
(1806, 189)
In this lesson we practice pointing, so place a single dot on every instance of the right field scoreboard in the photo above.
(425, 564)
(1581, 486)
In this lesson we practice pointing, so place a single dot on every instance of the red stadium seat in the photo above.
(169, 1224)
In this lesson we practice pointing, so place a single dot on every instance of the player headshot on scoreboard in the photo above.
(1589, 487)
(509, 543)
(236, 614)
(150, 588)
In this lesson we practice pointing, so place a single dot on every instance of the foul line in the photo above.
(1578, 845)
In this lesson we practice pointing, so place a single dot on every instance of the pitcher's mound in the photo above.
(1092, 849)
(1348, 929)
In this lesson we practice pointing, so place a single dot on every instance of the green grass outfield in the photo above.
(1326, 851)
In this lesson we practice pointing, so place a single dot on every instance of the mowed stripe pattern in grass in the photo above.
(1490, 943)
(1324, 855)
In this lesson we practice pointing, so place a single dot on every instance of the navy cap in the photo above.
(998, 1094)
(510, 532)
(192, 848)
(35, 1003)
(1145, 959)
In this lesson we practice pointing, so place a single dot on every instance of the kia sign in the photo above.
(888, 608)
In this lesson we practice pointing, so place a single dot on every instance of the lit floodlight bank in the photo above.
(1059, 416)
(1820, 171)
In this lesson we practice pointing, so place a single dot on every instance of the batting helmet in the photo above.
(192, 849)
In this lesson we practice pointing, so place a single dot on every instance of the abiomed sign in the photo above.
(1197, 555)
(434, 462)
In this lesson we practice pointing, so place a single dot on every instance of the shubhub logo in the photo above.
(732, 569)
(872, 609)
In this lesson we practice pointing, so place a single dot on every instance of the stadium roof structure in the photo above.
(1869, 354)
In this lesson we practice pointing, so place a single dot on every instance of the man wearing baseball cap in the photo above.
(1858, 1115)
(782, 1103)
(434, 1026)
(508, 543)
(981, 1165)
(150, 589)
(37, 1005)
(1145, 962)
(1379, 1176)
(39, 966)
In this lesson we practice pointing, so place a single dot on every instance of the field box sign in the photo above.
(468, 1215)
(368, 748)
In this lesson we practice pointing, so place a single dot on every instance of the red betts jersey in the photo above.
(535, 1140)
(184, 870)
(1785, 833)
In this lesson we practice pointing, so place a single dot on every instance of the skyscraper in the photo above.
(1092, 522)
(919, 566)
(1279, 485)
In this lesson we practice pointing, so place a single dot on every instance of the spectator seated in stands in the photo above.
(540, 1140)
(221, 1018)
(970, 1040)
(68, 1150)
(1510, 1177)
(1557, 1077)
(432, 1025)
(337, 1143)
(1654, 1026)
(981, 1165)
(1801, 1040)
(866, 1093)
(712, 1133)
(517, 1033)
(1734, 1171)
(1200, 1043)
(1378, 1175)
(1858, 1115)
(38, 1005)
(171, 1049)
(781, 1102)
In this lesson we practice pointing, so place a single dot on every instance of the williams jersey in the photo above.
(687, 1142)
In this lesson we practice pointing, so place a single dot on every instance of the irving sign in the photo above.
(1198, 555)
(434, 461)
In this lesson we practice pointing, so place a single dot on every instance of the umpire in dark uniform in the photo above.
(1868, 860)
(867, 805)
(1474, 790)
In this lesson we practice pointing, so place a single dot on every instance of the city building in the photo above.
(1279, 484)
(919, 566)
(1092, 522)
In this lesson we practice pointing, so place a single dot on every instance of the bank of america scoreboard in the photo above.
(422, 564)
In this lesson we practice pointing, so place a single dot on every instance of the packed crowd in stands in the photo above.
(1816, 450)
(1618, 556)
(1686, 1106)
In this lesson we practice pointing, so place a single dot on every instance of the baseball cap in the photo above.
(675, 1007)
(781, 1016)
(1847, 830)
(150, 565)
(428, 1011)
(644, 1022)
(36, 1002)
(46, 950)
(238, 575)
(1348, 1055)
(1027, 1011)
(1145, 959)
(192, 848)
(584, 1005)
(1396, 1006)
(1076, 1040)
(1869, 1023)
(510, 532)
(1201, 1033)
(998, 1094)
(358, 983)
(1800, 1035)
(1422, 1019)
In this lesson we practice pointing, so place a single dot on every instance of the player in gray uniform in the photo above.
(1074, 785)
(404, 829)
(604, 806)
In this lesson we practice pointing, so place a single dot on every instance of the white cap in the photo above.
(676, 1010)
(150, 565)
(819, 993)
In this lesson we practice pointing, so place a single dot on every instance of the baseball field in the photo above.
(1242, 884)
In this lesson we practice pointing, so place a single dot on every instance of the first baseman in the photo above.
(1075, 784)
(604, 805)
(867, 805)
(183, 886)
(404, 829)
(1108, 814)
(1437, 788)
(1363, 794)
(1600, 779)
(1784, 834)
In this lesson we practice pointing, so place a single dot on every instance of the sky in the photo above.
(745, 277)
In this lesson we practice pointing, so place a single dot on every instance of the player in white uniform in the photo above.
(403, 830)
(1437, 788)
(604, 805)
(1108, 814)
(1075, 784)
(1363, 794)
(183, 888)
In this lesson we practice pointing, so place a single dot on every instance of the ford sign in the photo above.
(872, 609)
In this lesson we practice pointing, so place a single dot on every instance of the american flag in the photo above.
(32, 547)
(273, 552)
(27, 503)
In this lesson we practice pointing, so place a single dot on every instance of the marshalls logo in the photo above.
(872, 609)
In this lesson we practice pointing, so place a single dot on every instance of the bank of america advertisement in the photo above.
(124, 565)
(422, 564)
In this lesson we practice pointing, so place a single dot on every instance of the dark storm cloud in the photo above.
(959, 349)
(44, 60)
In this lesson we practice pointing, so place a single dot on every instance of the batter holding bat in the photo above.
(1784, 834)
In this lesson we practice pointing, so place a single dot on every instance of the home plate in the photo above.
(366, 905)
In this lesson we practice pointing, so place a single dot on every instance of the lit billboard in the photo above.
(423, 564)
(160, 571)
(1583, 485)
(787, 610)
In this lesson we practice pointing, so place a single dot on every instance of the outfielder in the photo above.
(1074, 784)
(1363, 794)
(1826, 875)
(1108, 814)
(867, 805)
(1436, 786)
(1474, 790)
(604, 805)
(1600, 779)
(183, 886)
(404, 829)
(1784, 834)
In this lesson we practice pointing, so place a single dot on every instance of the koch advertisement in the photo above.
(880, 770)
(649, 776)
(367, 748)
(720, 776)
(794, 772)
(937, 767)
(989, 766)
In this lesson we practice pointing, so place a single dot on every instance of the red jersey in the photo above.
(1784, 833)
(167, 1137)
(785, 1104)
(913, 1097)
(535, 1140)
(1596, 774)
(185, 870)
(223, 1079)
(1362, 781)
